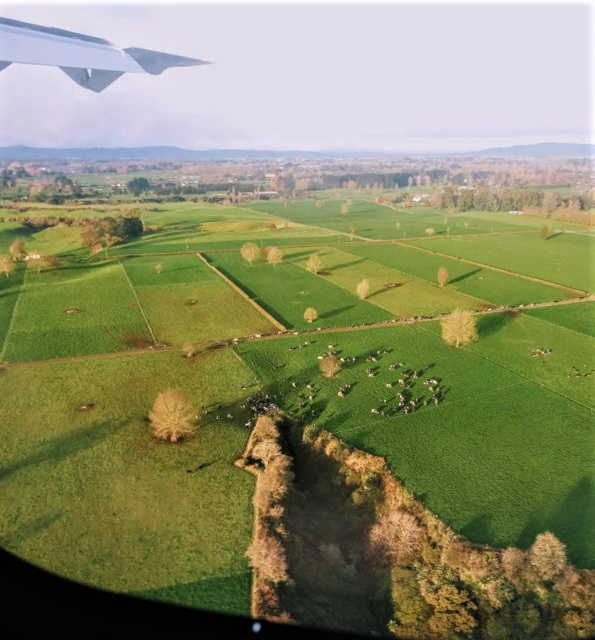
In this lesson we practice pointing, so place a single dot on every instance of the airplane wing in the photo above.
(93, 63)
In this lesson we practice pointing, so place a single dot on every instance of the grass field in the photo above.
(565, 258)
(579, 317)
(483, 284)
(372, 220)
(106, 317)
(9, 294)
(287, 290)
(92, 496)
(187, 302)
(411, 296)
(501, 459)
(54, 240)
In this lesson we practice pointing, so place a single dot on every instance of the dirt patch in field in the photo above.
(138, 342)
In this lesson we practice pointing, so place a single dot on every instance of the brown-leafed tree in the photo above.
(319, 203)
(314, 264)
(18, 249)
(544, 232)
(274, 256)
(459, 328)
(6, 265)
(430, 231)
(397, 534)
(352, 233)
(362, 289)
(548, 556)
(330, 366)
(158, 268)
(172, 416)
(442, 276)
(250, 252)
(310, 314)
(344, 208)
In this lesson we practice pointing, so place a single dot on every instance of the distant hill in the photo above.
(541, 150)
(23, 153)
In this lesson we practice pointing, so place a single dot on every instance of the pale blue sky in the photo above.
(390, 77)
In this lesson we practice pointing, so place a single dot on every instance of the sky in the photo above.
(386, 77)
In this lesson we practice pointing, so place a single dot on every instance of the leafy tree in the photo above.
(459, 328)
(362, 289)
(250, 252)
(18, 249)
(547, 556)
(314, 264)
(172, 417)
(131, 226)
(330, 366)
(310, 314)
(6, 265)
(442, 276)
(138, 185)
(274, 256)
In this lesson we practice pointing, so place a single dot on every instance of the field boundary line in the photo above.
(499, 269)
(244, 295)
(140, 306)
(526, 377)
(12, 315)
(560, 326)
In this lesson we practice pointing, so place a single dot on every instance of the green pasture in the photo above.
(287, 290)
(483, 284)
(106, 316)
(409, 296)
(501, 459)
(578, 317)
(564, 258)
(187, 302)
(10, 289)
(90, 495)
(376, 221)
(53, 240)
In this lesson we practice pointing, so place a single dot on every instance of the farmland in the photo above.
(91, 495)
(504, 455)
(563, 258)
(485, 442)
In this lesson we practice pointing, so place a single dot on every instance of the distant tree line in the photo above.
(360, 180)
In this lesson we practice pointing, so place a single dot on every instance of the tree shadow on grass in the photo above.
(65, 446)
(344, 265)
(572, 523)
(479, 529)
(335, 312)
(493, 323)
(464, 276)
(30, 529)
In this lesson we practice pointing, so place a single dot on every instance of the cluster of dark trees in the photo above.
(498, 199)
(9, 176)
(387, 180)
(140, 185)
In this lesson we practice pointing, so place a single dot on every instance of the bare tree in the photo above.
(398, 534)
(362, 289)
(430, 231)
(319, 203)
(544, 232)
(330, 366)
(310, 314)
(442, 276)
(267, 556)
(6, 265)
(274, 256)
(172, 417)
(158, 268)
(548, 556)
(344, 208)
(18, 249)
(314, 264)
(352, 233)
(459, 328)
(250, 252)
